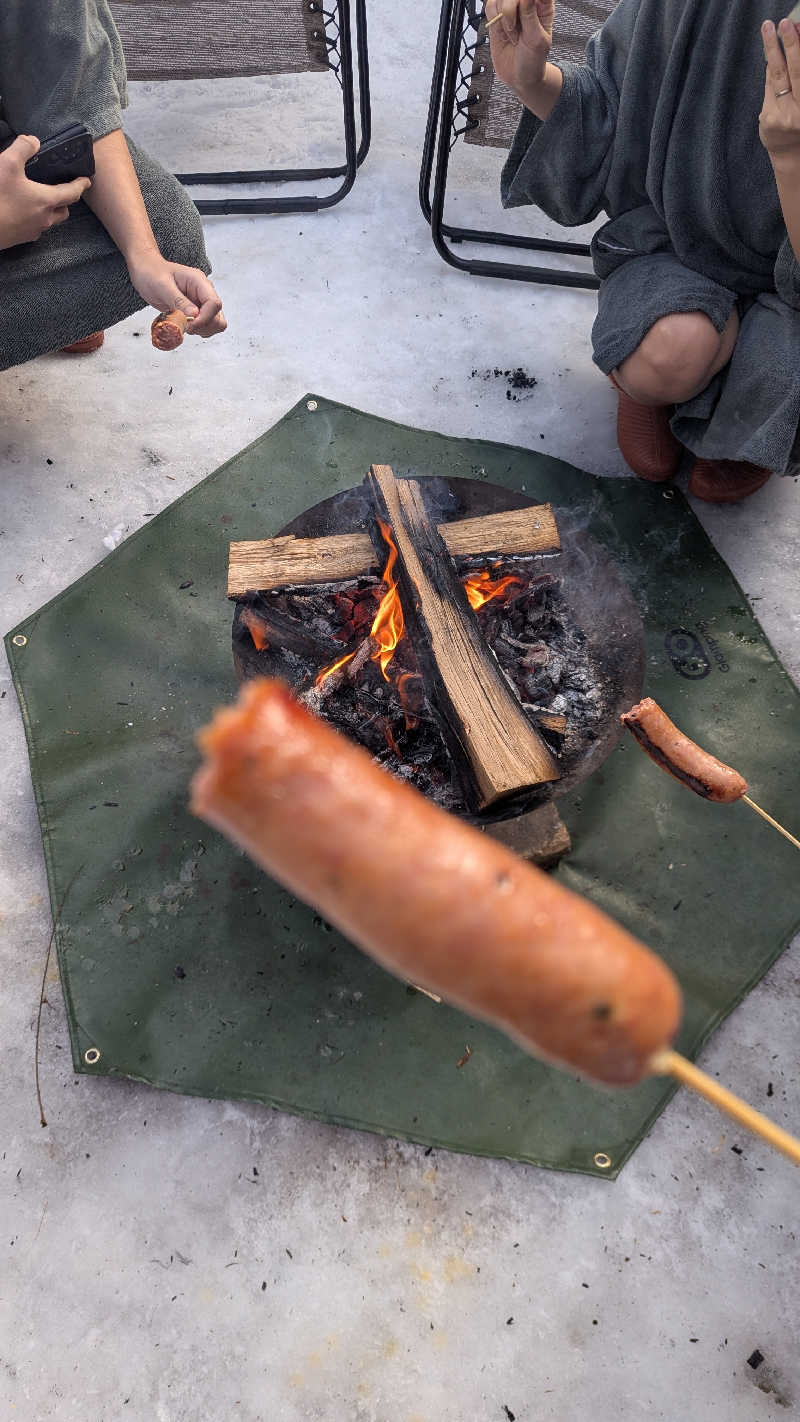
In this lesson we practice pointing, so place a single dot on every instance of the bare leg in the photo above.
(677, 358)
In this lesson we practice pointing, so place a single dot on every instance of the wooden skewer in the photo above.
(431, 995)
(669, 1063)
(770, 821)
(494, 20)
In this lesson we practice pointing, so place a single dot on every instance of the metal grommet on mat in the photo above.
(311, 404)
(20, 640)
(91, 1056)
(602, 1161)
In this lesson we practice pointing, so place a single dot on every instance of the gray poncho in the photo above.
(61, 63)
(659, 129)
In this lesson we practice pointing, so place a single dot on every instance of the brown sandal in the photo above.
(85, 346)
(726, 481)
(645, 439)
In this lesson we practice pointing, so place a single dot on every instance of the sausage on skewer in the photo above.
(682, 757)
(429, 897)
(167, 330)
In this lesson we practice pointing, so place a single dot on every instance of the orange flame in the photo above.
(391, 742)
(403, 687)
(256, 627)
(323, 676)
(389, 623)
(480, 588)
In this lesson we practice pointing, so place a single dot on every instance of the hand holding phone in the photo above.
(27, 209)
(63, 157)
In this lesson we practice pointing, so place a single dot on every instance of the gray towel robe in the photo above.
(659, 130)
(61, 63)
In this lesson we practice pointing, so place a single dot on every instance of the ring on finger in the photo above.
(781, 93)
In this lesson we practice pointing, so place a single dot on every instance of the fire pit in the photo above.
(479, 646)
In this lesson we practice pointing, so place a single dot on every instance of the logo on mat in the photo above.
(686, 652)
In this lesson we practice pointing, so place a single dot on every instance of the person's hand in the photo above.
(779, 120)
(170, 287)
(28, 209)
(521, 41)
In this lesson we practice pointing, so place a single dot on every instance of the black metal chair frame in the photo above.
(442, 130)
(340, 50)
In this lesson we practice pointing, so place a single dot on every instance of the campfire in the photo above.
(388, 624)
(449, 646)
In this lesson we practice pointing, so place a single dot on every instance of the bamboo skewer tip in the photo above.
(494, 20)
(432, 995)
(671, 1063)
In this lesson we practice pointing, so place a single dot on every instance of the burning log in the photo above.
(548, 720)
(258, 626)
(288, 561)
(510, 532)
(357, 607)
(348, 668)
(491, 740)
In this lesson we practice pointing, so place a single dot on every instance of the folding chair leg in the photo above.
(434, 108)
(443, 97)
(356, 148)
(364, 97)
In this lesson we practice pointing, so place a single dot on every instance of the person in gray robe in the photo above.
(134, 240)
(659, 130)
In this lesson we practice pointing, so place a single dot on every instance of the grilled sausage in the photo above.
(679, 756)
(167, 330)
(431, 898)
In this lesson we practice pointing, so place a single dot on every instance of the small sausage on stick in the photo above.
(438, 904)
(689, 763)
(167, 330)
(679, 756)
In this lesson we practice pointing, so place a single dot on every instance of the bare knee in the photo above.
(677, 358)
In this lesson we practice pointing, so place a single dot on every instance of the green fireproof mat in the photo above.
(186, 967)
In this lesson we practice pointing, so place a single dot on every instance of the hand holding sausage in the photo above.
(521, 39)
(431, 898)
(168, 329)
(171, 287)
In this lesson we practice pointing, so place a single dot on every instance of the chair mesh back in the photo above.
(219, 39)
(493, 110)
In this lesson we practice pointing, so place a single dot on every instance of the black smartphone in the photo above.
(67, 155)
